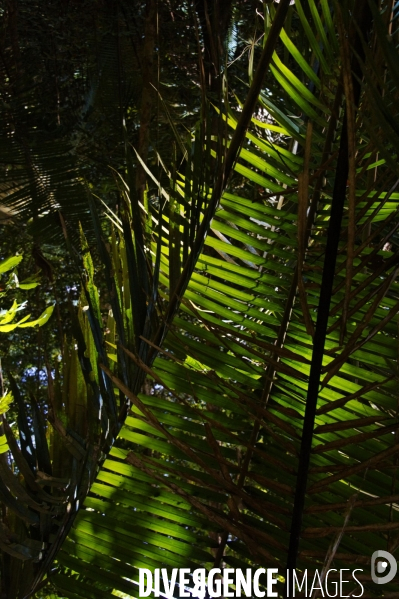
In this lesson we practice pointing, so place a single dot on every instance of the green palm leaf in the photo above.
(270, 435)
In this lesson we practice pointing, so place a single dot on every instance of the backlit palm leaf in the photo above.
(271, 431)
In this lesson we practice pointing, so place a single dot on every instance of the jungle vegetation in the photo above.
(200, 213)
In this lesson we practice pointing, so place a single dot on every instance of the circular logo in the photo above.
(385, 559)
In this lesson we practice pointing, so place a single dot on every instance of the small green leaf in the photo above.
(9, 263)
(8, 316)
(43, 318)
(3, 444)
(30, 283)
(5, 402)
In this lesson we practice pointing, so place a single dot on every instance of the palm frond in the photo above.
(270, 434)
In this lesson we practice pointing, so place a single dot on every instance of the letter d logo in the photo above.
(382, 566)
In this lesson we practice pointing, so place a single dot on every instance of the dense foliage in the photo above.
(221, 185)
